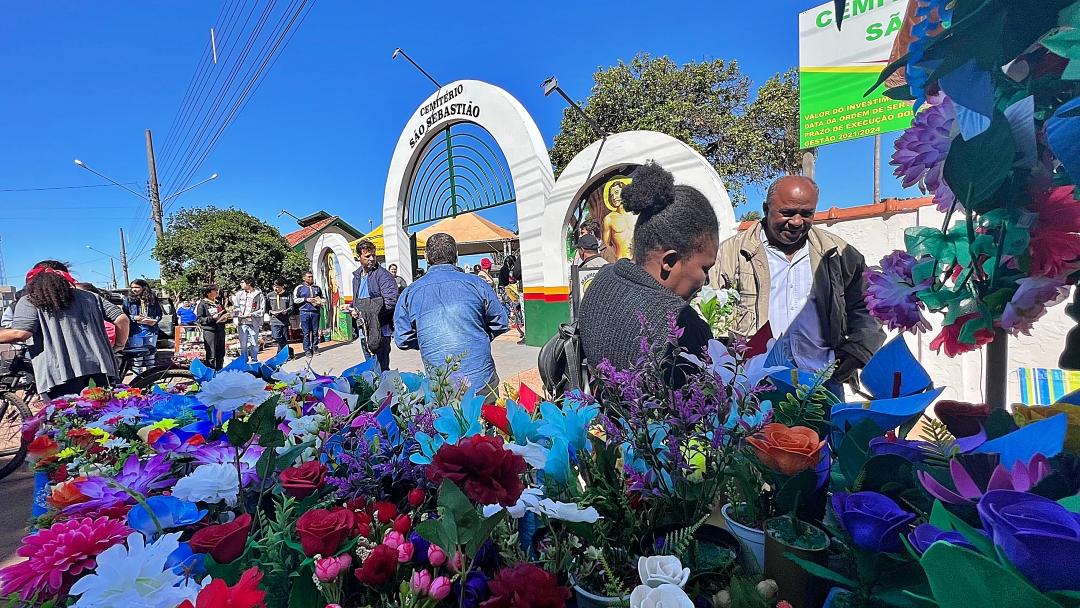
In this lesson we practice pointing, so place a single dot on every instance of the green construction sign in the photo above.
(836, 68)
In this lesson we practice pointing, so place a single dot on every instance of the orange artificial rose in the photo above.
(40, 448)
(67, 494)
(788, 450)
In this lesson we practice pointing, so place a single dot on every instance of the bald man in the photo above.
(807, 283)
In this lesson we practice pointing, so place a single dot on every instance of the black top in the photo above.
(279, 301)
(608, 319)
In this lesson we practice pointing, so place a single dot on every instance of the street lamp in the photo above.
(113, 282)
(551, 85)
(172, 196)
(398, 51)
(142, 196)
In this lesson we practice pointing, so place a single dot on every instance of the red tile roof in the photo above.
(887, 207)
(299, 236)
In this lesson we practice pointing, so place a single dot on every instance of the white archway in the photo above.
(501, 115)
(344, 255)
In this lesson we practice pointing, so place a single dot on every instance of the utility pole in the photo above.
(123, 258)
(155, 198)
(112, 263)
(808, 159)
(877, 169)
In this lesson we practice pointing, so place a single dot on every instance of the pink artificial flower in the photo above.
(333, 606)
(1029, 303)
(440, 588)
(890, 293)
(949, 338)
(420, 581)
(394, 540)
(436, 555)
(405, 553)
(1055, 244)
(59, 554)
(328, 568)
(454, 564)
(922, 148)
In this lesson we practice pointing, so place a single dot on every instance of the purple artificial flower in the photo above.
(1022, 478)
(1038, 536)
(474, 592)
(891, 293)
(220, 452)
(913, 451)
(928, 534)
(873, 520)
(922, 148)
(1029, 303)
(134, 476)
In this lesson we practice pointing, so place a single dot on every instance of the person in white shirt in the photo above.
(805, 282)
(249, 307)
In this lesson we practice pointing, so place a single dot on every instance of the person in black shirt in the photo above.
(211, 317)
(279, 304)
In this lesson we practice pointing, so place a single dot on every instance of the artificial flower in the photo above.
(475, 591)
(58, 554)
(135, 476)
(1038, 536)
(664, 596)
(209, 483)
(420, 582)
(525, 586)
(913, 451)
(1054, 243)
(487, 472)
(960, 418)
(220, 452)
(66, 494)
(788, 450)
(385, 512)
(928, 534)
(379, 566)
(662, 569)
(436, 555)
(41, 447)
(949, 338)
(891, 293)
(224, 542)
(322, 531)
(922, 148)
(232, 389)
(1033, 296)
(873, 520)
(440, 588)
(416, 498)
(328, 568)
(135, 575)
(217, 594)
(1024, 415)
(304, 480)
(170, 511)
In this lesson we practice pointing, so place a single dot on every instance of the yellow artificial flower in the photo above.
(1024, 415)
(66, 453)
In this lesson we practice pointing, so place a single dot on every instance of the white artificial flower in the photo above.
(306, 425)
(529, 498)
(292, 378)
(232, 389)
(533, 453)
(135, 576)
(209, 483)
(662, 569)
(567, 511)
(724, 365)
(664, 596)
(117, 443)
(107, 422)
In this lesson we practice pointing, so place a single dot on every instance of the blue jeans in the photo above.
(281, 335)
(309, 325)
(249, 342)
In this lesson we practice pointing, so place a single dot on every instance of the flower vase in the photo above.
(800, 588)
(42, 491)
(752, 538)
(590, 600)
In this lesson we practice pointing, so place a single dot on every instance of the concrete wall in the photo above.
(964, 376)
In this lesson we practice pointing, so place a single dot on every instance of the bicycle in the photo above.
(17, 375)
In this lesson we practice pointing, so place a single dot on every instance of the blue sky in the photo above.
(85, 79)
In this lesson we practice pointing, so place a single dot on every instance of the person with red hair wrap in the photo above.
(70, 348)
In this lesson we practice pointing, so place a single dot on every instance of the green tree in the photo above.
(223, 246)
(750, 216)
(707, 105)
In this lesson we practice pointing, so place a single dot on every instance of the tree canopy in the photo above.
(222, 246)
(707, 105)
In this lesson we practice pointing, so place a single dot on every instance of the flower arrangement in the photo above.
(717, 307)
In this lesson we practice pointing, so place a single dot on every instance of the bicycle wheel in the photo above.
(163, 376)
(13, 412)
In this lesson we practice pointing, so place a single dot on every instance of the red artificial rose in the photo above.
(402, 524)
(962, 419)
(61, 474)
(379, 567)
(217, 594)
(41, 448)
(385, 511)
(949, 338)
(416, 497)
(356, 504)
(304, 480)
(225, 542)
(525, 586)
(487, 472)
(322, 532)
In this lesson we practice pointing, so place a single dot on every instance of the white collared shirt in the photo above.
(791, 308)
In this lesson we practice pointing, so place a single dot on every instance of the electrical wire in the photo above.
(64, 187)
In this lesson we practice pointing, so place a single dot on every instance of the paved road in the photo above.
(511, 358)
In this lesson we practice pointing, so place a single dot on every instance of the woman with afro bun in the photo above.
(676, 237)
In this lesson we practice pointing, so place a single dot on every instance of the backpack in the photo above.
(562, 363)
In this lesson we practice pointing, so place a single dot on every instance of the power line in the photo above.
(62, 187)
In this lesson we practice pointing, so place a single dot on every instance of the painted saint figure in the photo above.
(618, 222)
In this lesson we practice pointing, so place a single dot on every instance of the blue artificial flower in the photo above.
(558, 462)
(571, 422)
(184, 562)
(428, 447)
(455, 423)
(171, 512)
(522, 425)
